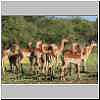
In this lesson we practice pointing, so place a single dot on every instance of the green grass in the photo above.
(26, 78)
(92, 62)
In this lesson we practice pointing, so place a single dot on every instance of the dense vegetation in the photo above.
(48, 28)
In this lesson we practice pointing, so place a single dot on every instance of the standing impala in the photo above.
(76, 59)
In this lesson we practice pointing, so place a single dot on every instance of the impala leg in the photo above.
(20, 64)
(61, 73)
(78, 71)
(31, 63)
(64, 71)
(44, 66)
(84, 68)
(11, 67)
(17, 70)
(31, 67)
(35, 65)
(44, 63)
(39, 63)
(70, 69)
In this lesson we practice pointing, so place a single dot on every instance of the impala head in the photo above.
(87, 50)
(39, 44)
(45, 46)
(53, 45)
(65, 40)
(30, 44)
(93, 43)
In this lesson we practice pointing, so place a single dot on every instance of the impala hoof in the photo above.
(78, 79)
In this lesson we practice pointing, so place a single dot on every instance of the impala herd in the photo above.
(44, 57)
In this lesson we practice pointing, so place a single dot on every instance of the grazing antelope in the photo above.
(76, 59)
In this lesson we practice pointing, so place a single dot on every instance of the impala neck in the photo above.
(88, 51)
(62, 45)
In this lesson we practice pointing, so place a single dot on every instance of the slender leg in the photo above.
(44, 64)
(11, 67)
(70, 69)
(19, 64)
(62, 74)
(2, 72)
(31, 62)
(16, 70)
(84, 68)
(78, 71)
(64, 71)
(34, 64)
(11, 63)
(39, 65)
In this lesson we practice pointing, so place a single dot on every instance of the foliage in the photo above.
(49, 29)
